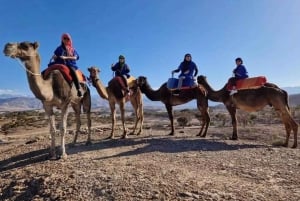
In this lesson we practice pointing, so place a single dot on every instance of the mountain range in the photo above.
(12, 102)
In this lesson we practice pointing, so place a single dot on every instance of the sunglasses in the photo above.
(66, 38)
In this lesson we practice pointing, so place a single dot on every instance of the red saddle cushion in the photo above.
(249, 83)
(65, 71)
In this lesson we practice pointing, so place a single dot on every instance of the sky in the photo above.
(154, 36)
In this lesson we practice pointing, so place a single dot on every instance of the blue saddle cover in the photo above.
(173, 83)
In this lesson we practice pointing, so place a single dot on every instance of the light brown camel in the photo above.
(115, 95)
(251, 100)
(54, 91)
(164, 95)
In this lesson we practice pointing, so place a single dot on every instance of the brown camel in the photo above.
(166, 96)
(54, 91)
(251, 100)
(116, 95)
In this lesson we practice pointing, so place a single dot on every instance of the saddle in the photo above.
(187, 83)
(248, 83)
(65, 71)
(130, 81)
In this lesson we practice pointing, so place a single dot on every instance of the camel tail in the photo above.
(286, 98)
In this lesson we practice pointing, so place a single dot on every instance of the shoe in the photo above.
(79, 94)
(234, 91)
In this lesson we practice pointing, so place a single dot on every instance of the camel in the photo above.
(115, 95)
(53, 91)
(251, 100)
(167, 97)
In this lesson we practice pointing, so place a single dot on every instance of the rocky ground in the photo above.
(152, 166)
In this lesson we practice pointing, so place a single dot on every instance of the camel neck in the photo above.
(214, 95)
(101, 89)
(153, 95)
(35, 80)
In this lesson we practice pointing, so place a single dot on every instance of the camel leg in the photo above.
(203, 108)
(137, 104)
(122, 110)
(232, 112)
(205, 122)
(171, 117)
(141, 118)
(78, 124)
(113, 119)
(52, 132)
(87, 104)
(89, 125)
(135, 107)
(290, 125)
(64, 116)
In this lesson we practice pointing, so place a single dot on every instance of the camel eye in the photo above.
(24, 46)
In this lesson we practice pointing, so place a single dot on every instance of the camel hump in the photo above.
(65, 72)
(249, 83)
(131, 81)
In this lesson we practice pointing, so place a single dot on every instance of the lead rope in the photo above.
(22, 65)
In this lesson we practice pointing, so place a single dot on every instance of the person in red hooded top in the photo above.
(66, 54)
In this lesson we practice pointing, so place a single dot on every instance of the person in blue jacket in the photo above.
(187, 68)
(67, 55)
(240, 72)
(122, 69)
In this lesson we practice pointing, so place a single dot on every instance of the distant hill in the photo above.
(9, 103)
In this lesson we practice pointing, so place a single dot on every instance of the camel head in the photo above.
(94, 72)
(23, 50)
(201, 79)
(141, 81)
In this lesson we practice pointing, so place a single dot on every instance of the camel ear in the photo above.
(35, 45)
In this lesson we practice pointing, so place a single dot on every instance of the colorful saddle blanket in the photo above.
(187, 83)
(249, 83)
(65, 72)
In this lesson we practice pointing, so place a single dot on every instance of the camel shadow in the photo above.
(25, 159)
(154, 144)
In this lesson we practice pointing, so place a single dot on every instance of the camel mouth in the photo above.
(10, 50)
(9, 54)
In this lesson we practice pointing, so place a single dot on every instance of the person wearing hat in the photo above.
(188, 70)
(121, 69)
(66, 54)
(240, 72)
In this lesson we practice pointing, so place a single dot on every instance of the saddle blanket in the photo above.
(65, 72)
(130, 81)
(249, 83)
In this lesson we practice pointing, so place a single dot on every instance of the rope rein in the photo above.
(22, 65)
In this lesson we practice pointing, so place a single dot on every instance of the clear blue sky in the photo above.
(154, 35)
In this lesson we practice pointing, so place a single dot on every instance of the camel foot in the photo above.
(171, 133)
(89, 142)
(286, 144)
(234, 138)
(294, 146)
(64, 156)
(52, 158)
(203, 135)
(124, 137)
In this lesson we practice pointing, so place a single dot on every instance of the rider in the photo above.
(67, 55)
(188, 70)
(240, 72)
(122, 69)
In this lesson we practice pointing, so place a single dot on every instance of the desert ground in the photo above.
(153, 165)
